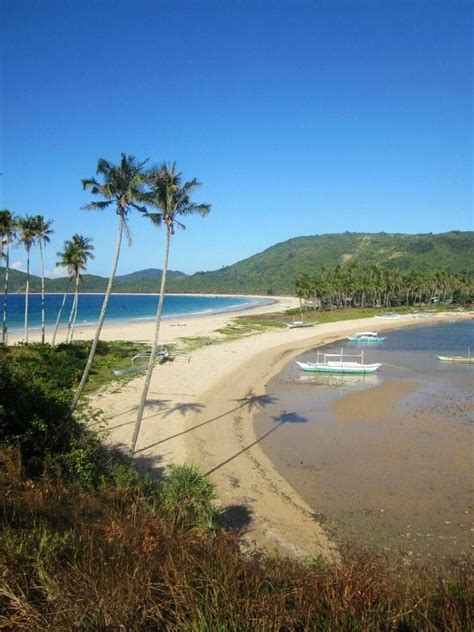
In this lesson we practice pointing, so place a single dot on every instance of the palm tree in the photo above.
(7, 235)
(43, 233)
(82, 252)
(74, 257)
(27, 233)
(123, 185)
(172, 199)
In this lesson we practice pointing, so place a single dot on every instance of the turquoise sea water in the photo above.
(122, 307)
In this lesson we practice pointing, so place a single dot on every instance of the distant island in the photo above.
(275, 270)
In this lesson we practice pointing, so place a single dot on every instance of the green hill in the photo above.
(275, 269)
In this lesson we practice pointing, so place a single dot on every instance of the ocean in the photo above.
(121, 308)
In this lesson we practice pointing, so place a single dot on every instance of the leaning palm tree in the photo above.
(123, 185)
(74, 257)
(27, 233)
(83, 251)
(7, 236)
(43, 233)
(172, 199)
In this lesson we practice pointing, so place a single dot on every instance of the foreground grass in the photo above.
(111, 559)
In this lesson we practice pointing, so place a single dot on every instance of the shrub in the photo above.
(187, 499)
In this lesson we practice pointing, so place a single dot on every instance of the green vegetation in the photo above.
(88, 543)
(275, 270)
(363, 286)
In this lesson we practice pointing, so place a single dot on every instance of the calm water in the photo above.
(122, 307)
(385, 461)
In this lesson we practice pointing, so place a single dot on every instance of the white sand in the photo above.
(201, 412)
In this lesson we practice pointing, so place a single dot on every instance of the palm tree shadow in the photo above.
(235, 518)
(251, 400)
(279, 420)
(183, 408)
(157, 405)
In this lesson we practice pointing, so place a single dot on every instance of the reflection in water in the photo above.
(390, 466)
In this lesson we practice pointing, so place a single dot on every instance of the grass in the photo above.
(111, 559)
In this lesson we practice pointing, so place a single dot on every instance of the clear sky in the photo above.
(298, 118)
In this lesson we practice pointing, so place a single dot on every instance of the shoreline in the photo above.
(200, 410)
(135, 329)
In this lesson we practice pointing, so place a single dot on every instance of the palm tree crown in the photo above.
(7, 228)
(27, 231)
(172, 197)
(75, 254)
(123, 185)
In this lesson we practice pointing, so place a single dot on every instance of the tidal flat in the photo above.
(385, 461)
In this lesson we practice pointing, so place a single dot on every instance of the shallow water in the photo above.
(385, 460)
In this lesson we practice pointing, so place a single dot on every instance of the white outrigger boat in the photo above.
(366, 336)
(337, 363)
(457, 359)
(297, 324)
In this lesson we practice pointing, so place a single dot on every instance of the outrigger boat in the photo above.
(457, 359)
(337, 363)
(296, 324)
(366, 336)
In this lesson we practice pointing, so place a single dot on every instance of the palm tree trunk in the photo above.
(87, 369)
(42, 293)
(59, 315)
(5, 296)
(151, 362)
(27, 293)
(76, 301)
(71, 314)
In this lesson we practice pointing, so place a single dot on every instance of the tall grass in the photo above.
(75, 559)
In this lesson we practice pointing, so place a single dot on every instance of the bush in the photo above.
(187, 499)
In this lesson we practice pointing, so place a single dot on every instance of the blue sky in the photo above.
(298, 118)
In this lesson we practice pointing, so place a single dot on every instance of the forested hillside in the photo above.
(276, 269)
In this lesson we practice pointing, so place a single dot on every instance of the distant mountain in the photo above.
(149, 273)
(275, 269)
(147, 281)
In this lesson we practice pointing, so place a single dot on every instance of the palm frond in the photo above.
(96, 206)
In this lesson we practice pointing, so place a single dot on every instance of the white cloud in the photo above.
(17, 265)
(56, 273)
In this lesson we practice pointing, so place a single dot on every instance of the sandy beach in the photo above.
(200, 410)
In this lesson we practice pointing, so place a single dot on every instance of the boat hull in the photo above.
(340, 369)
(365, 339)
(456, 359)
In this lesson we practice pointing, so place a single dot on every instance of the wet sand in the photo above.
(385, 465)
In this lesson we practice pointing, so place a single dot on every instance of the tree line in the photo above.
(373, 286)
(158, 194)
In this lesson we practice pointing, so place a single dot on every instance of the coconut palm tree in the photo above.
(43, 233)
(122, 186)
(172, 199)
(27, 233)
(82, 253)
(7, 235)
(74, 257)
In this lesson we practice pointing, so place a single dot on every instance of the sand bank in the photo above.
(201, 412)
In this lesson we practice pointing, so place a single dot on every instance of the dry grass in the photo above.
(72, 559)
